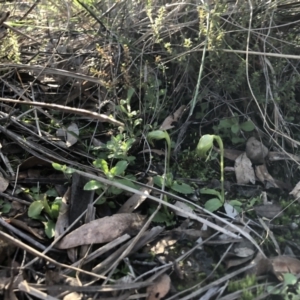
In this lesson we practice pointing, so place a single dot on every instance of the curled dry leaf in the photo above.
(160, 288)
(285, 264)
(167, 123)
(136, 200)
(256, 151)
(103, 230)
(72, 134)
(243, 170)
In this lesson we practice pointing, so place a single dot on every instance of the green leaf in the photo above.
(63, 168)
(130, 93)
(35, 209)
(236, 205)
(247, 126)
(100, 201)
(289, 279)
(119, 168)
(57, 167)
(158, 180)
(213, 204)
(5, 208)
(182, 188)
(156, 135)
(93, 185)
(101, 164)
(46, 205)
(55, 207)
(235, 128)
(52, 193)
(211, 192)
(237, 140)
(225, 123)
(126, 182)
(49, 229)
(111, 204)
(205, 144)
(68, 170)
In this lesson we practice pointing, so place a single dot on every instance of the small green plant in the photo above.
(290, 290)
(111, 173)
(179, 187)
(4, 207)
(246, 286)
(206, 144)
(116, 148)
(231, 128)
(125, 108)
(44, 211)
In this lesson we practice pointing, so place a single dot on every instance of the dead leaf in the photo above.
(3, 184)
(230, 154)
(243, 249)
(24, 226)
(103, 230)
(183, 206)
(6, 249)
(167, 123)
(234, 262)
(136, 200)
(32, 162)
(263, 175)
(243, 170)
(261, 265)
(285, 264)
(296, 191)
(268, 211)
(231, 212)
(275, 156)
(63, 217)
(191, 234)
(72, 135)
(160, 288)
(256, 151)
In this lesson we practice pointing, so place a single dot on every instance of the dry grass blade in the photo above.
(53, 71)
(83, 112)
(31, 250)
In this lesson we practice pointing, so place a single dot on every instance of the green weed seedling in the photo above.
(4, 207)
(231, 128)
(119, 146)
(125, 108)
(117, 170)
(51, 211)
(290, 289)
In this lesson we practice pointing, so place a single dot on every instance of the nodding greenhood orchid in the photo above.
(204, 146)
